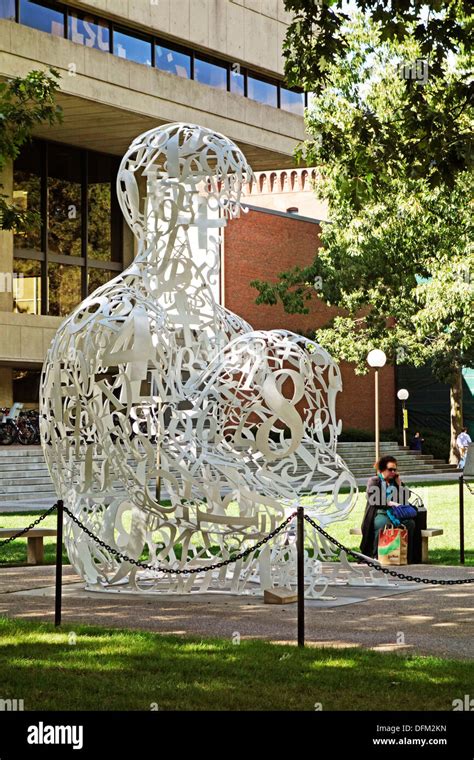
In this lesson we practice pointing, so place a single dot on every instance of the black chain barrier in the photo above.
(217, 565)
(25, 530)
(180, 571)
(383, 569)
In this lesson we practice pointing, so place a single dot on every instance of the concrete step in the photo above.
(21, 451)
(27, 479)
(14, 467)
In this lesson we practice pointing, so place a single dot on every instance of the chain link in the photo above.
(181, 571)
(386, 570)
(21, 532)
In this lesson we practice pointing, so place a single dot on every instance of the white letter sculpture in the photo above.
(151, 384)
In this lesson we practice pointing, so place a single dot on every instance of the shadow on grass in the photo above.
(125, 670)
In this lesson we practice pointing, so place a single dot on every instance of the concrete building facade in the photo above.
(127, 66)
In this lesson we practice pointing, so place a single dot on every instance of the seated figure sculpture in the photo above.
(170, 427)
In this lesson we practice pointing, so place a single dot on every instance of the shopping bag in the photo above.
(393, 546)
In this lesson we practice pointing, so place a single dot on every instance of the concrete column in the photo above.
(6, 245)
(6, 386)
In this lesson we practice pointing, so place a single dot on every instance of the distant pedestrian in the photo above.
(462, 442)
(416, 443)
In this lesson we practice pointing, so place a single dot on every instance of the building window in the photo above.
(7, 9)
(101, 34)
(262, 91)
(104, 226)
(27, 286)
(27, 197)
(26, 385)
(64, 201)
(43, 16)
(292, 101)
(64, 289)
(77, 243)
(132, 47)
(209, 73)
(97, 277)
(88, 31)
(173, 61)
(237, 80)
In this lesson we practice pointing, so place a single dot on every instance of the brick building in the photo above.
(268, 240)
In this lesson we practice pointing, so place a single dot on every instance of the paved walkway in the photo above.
(424, 620)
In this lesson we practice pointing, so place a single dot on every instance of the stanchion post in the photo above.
(461, 518)
(300, 572)
(59, 564)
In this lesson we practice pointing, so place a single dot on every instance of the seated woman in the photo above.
(384, 490)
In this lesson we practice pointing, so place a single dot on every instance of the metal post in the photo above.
(377, 431)
(59, 564)
(300, 573)
(461, 518)
(403, 425)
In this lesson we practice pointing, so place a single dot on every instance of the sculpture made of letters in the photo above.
(152, 387)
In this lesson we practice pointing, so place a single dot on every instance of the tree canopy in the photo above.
(427, 128)
(24, 103)
(393, 158)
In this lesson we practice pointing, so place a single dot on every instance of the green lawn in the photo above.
(129, 670)
(441, 501)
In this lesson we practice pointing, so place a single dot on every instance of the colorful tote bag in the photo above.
(393, 546)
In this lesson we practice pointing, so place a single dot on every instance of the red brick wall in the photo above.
(258, 246)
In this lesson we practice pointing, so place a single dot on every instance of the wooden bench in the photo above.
(426, 534)
(35, 548)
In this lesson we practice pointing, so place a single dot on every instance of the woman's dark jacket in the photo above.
(376, 499)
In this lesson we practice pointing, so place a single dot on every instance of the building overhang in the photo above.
(107, 101)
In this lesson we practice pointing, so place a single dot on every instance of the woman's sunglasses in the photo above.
(392, 469)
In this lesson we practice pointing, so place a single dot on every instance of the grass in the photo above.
(128, 670)
(441, 501)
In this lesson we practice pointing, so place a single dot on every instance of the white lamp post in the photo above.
(403, 395)
(376, 358)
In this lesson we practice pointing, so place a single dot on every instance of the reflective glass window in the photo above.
(210, 73)
(7, 9)
(97, 277)
(292, 101)
(132, 48)
(27, 195)
(173, 61)
(263, 92)
(26, 385)
(104, 214)
(86, 30)
(64, 288)
(64, 200)
(26, 286)
(237, 83)
(42, 16)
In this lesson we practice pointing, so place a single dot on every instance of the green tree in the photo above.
(24, 103)
(396, 255)
(427, 125)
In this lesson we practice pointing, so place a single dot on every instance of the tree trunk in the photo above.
(456, 414)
